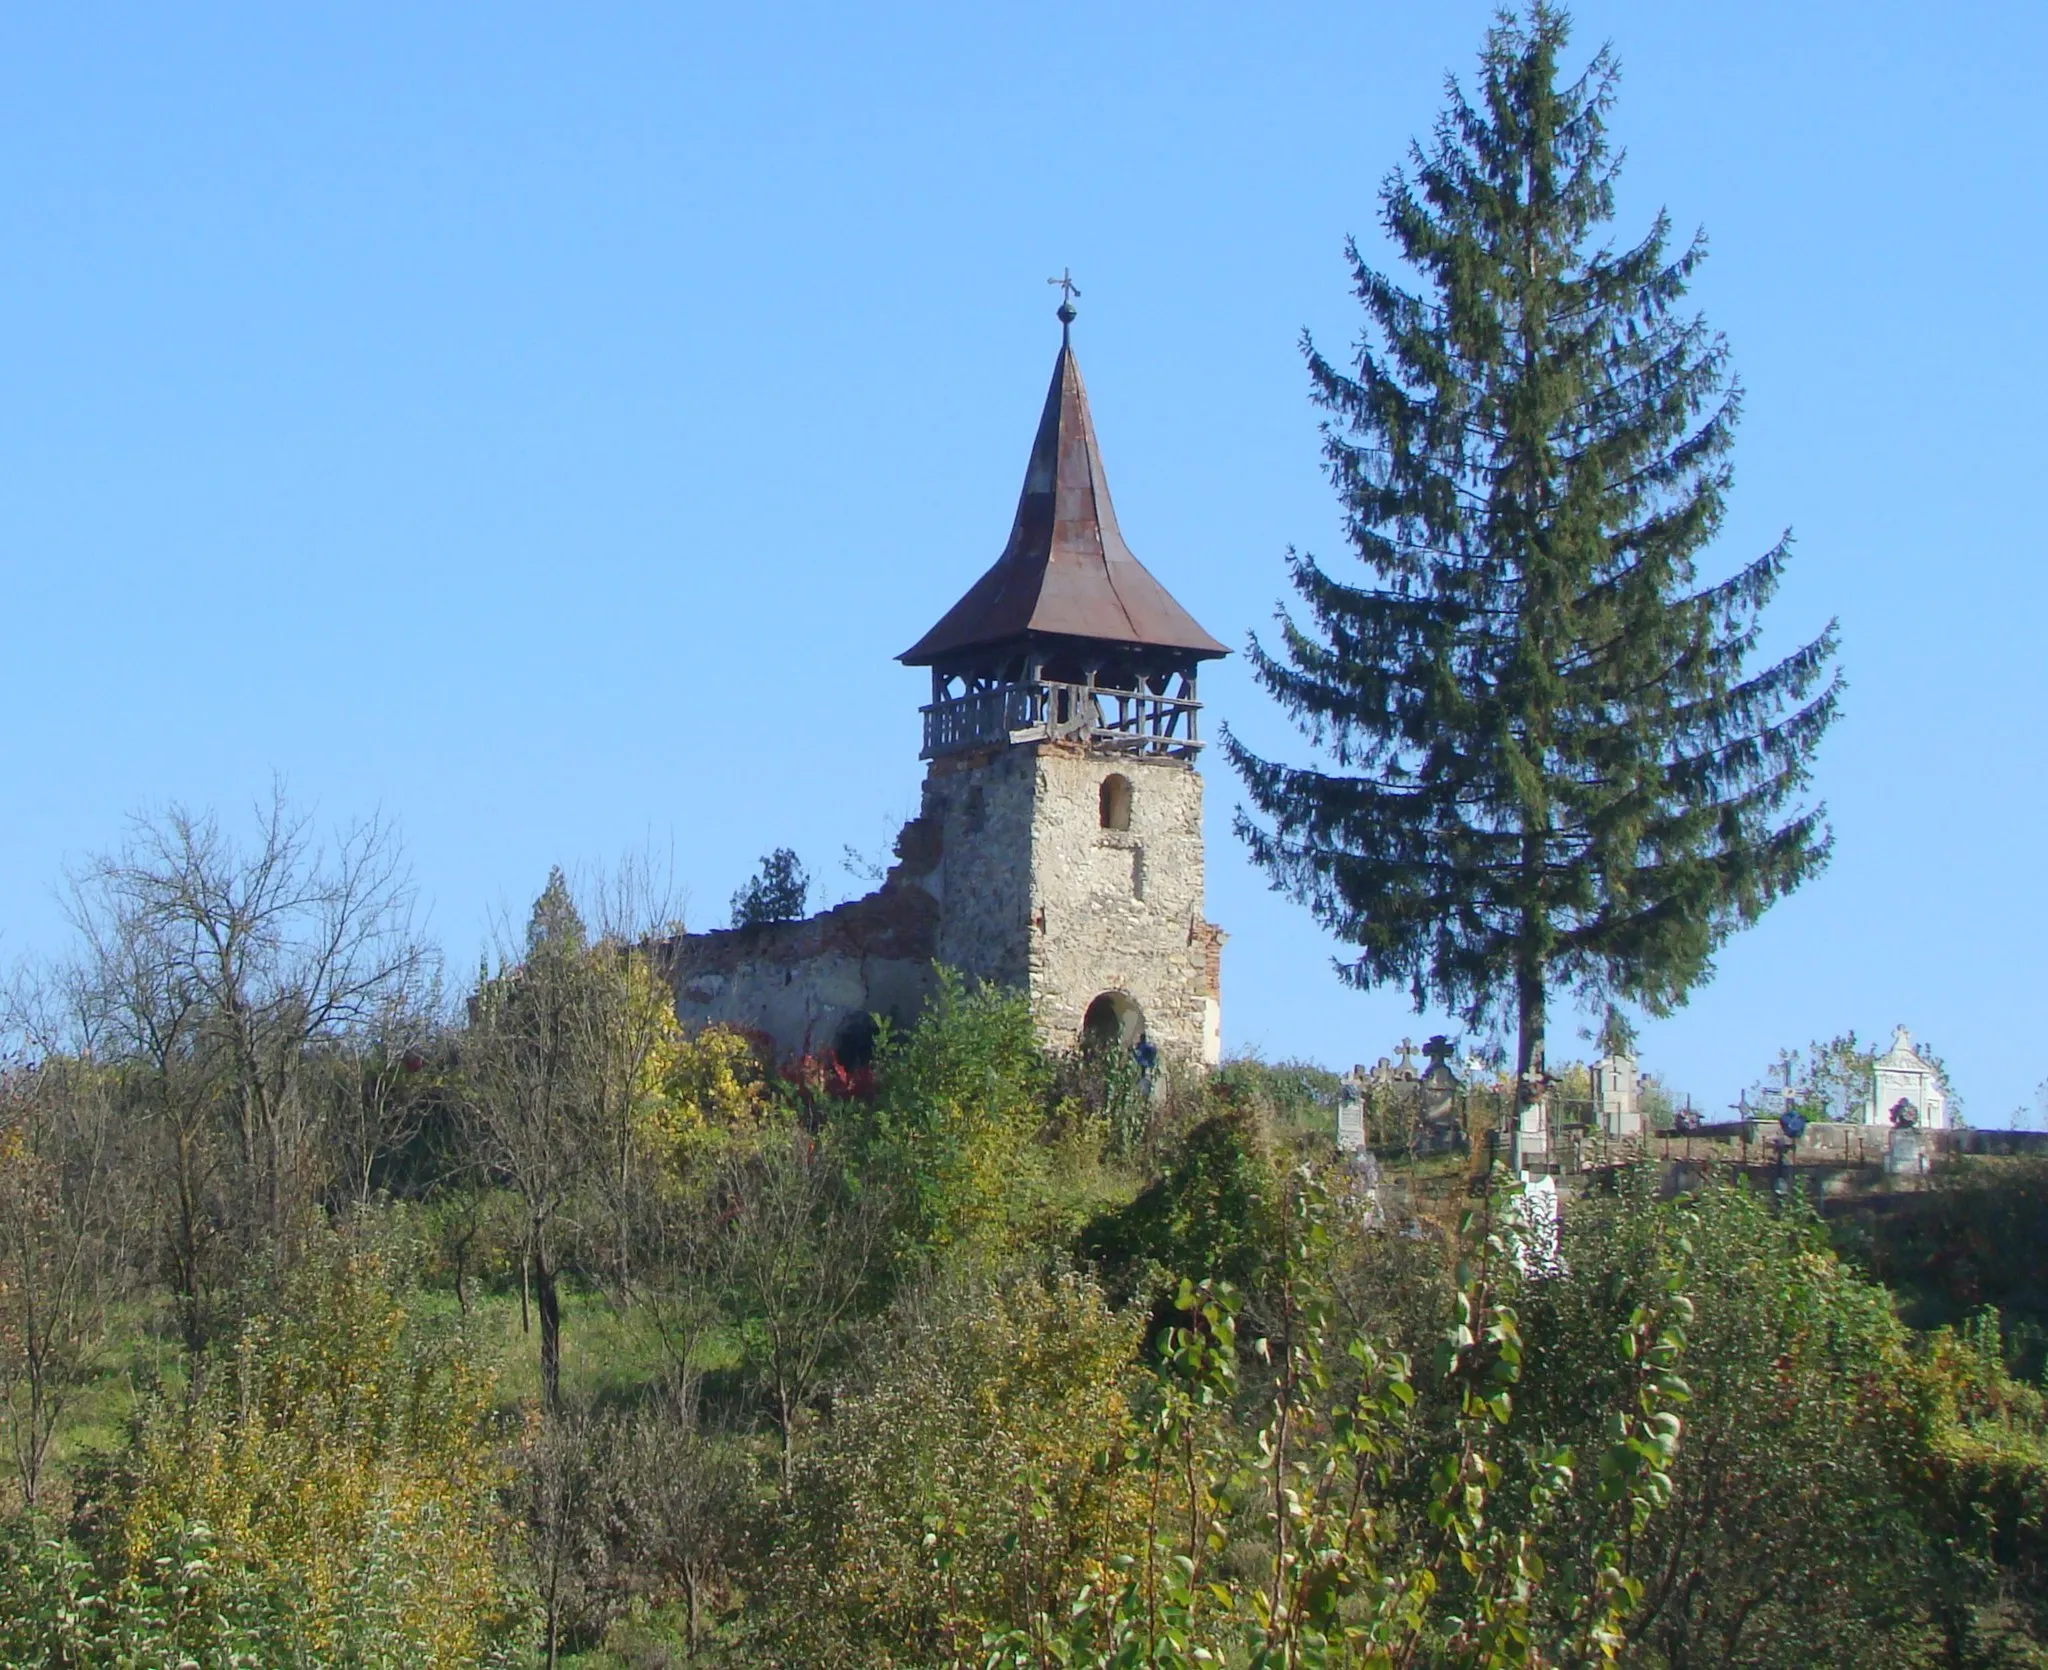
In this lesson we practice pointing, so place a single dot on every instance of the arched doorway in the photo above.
(854, 1044)
(1113, 1021)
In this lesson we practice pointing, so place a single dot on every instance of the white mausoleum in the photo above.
(1903, 1076)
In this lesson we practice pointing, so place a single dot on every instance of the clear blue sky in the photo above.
(545, 424)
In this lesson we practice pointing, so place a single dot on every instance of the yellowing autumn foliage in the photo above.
(700, 1088)
(344, 1463)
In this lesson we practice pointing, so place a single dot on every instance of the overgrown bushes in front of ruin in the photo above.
(990, 1359)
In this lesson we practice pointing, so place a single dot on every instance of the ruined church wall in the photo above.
(1008, 876)
(801, 983)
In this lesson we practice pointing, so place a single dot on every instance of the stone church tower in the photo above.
(1058, 849)
(1062, 736)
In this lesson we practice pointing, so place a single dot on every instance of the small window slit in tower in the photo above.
(1114, 803)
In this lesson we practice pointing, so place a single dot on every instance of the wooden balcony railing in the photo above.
(1140, 721)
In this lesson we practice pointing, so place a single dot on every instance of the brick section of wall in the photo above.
(1212, 938)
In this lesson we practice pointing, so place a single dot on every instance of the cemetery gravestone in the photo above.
(1351, 1112)
(1532, 1133)
(1443, 1123)
(1616, 1101)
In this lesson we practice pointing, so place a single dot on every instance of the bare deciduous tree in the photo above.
(677, 1496)
(138, 1012)
(524, 1066)
(229, 976)
(65, 1224)
(375, 1088)
(557, 1059)
(560, 1493)
(799, 1251)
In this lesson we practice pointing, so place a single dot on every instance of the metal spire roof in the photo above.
(1066, 571)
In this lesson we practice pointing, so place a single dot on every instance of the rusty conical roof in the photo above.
(1066, 570)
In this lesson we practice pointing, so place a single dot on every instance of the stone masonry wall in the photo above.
(1008, 876)
(800, 984)
(981, 806)
(1121, 910)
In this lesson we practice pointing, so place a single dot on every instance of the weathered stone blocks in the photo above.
(1022, 869)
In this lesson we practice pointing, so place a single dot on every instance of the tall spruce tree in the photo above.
(1549, 763)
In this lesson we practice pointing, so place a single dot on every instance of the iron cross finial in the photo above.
(1068, 291)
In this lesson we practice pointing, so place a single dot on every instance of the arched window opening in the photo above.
(1113, 1021)
(1116, 801)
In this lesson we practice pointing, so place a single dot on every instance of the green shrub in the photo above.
(967, 1481)
(961, 1099)
(185, 1604)
(1210, 1215)
(337, 1456)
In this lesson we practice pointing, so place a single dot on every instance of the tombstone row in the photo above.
(1430, 1103)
